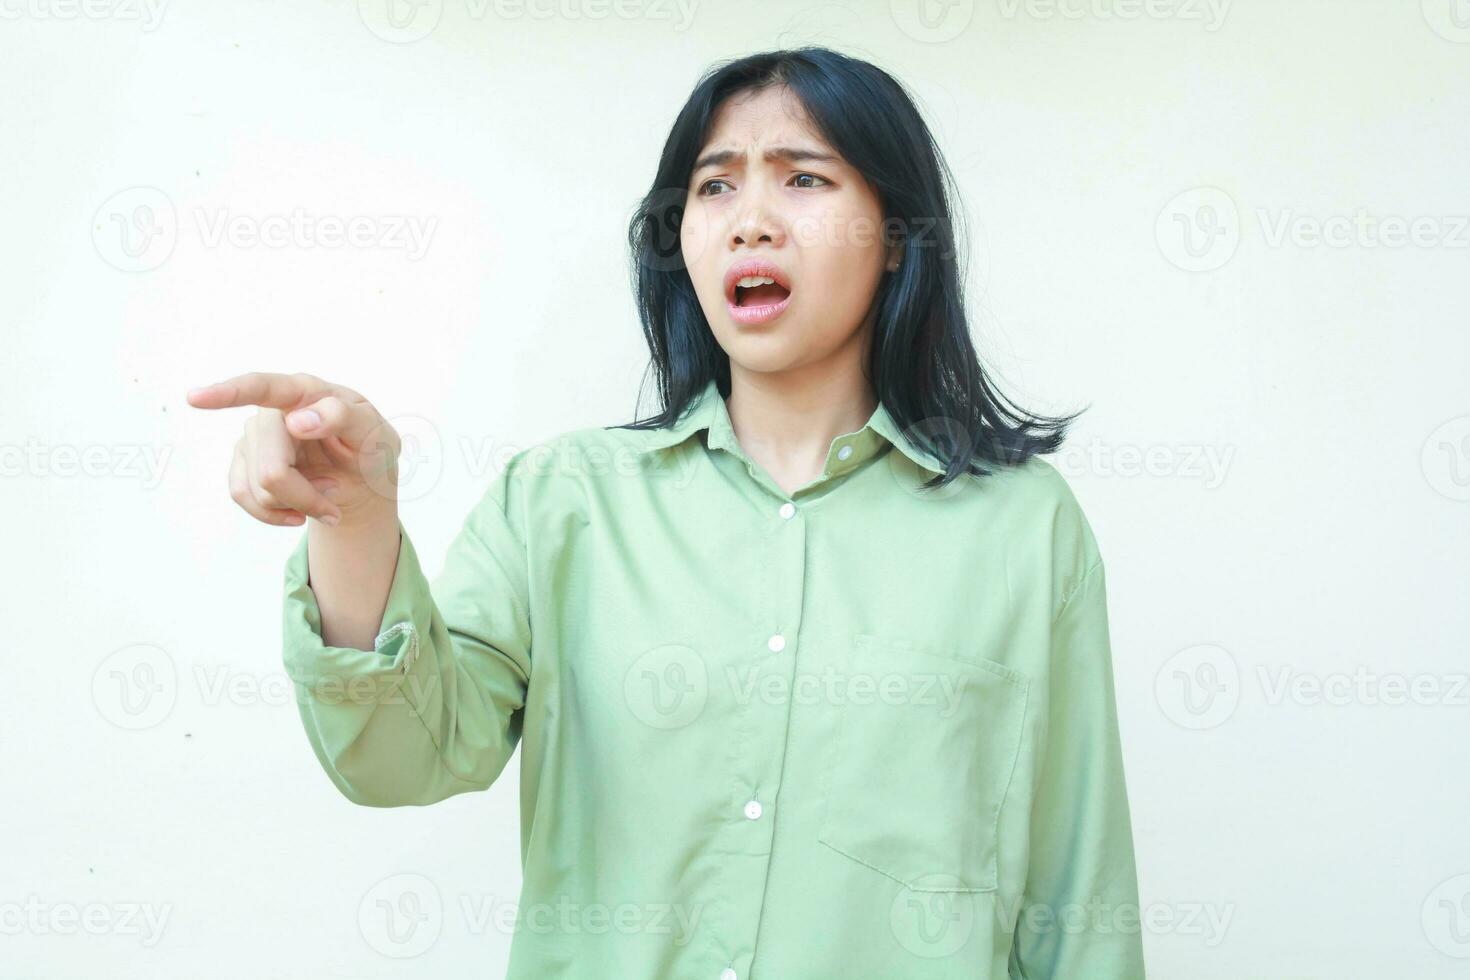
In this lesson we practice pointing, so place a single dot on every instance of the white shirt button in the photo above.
(727, 974)
(776, 643)
(753, 809)
(844, 452)
(787, 510)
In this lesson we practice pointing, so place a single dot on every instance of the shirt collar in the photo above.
(707, 410)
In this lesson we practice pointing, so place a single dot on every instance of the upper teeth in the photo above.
(747, 282)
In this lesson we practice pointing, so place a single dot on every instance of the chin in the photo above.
(767, 354)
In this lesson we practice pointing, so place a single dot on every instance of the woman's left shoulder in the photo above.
(1035, 486)
(1040, 503)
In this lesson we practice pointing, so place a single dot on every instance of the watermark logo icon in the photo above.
(136, 229)
(932, 21)
(1199, 230)
(1198, 687)
(946, 433)
(420, 461)
(667, 687)
(1445, 459)
(670, 242)
(136, 687)
(1445, 917)
(929, 921)
(401, 916)
(401, 21)
(1450, 19)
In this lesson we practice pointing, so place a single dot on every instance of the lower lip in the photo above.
(751, 315)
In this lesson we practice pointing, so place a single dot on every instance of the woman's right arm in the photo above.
(409, 693)
(351, 571)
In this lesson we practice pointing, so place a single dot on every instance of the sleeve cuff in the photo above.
(339, 674)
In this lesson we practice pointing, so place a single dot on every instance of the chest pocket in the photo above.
(921, 763)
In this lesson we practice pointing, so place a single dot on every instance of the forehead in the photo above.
(772, 115)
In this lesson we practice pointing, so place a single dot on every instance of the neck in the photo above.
(786, 421)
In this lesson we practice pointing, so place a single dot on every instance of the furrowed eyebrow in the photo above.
(791, 154)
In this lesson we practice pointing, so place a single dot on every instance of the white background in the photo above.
(1276, 461)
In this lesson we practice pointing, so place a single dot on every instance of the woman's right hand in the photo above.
(342, 469)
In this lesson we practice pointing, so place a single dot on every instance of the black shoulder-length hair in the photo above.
(923, 365)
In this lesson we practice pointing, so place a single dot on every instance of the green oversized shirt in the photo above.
(859, 730)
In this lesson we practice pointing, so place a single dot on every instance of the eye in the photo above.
(704, 189)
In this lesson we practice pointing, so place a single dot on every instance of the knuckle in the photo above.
(272, 475)
(381, 430)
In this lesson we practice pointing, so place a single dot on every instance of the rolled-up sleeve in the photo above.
(1080, 916)
(435, 708)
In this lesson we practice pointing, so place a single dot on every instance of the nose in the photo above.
(756, 221)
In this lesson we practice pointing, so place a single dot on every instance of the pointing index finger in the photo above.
(269, 390)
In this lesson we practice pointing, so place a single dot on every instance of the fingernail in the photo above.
(307, 419)
(330, 519)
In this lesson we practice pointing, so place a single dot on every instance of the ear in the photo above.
(894, 257)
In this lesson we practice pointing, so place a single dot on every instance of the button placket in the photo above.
(759, 759)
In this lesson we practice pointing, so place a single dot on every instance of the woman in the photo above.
(820, 682)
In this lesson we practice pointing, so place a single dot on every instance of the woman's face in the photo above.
(804, 216)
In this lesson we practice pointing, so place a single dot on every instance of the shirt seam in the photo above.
(438, 750)
(1072, 592)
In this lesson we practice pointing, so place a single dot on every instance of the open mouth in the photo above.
(758, 291)
(765, 294)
